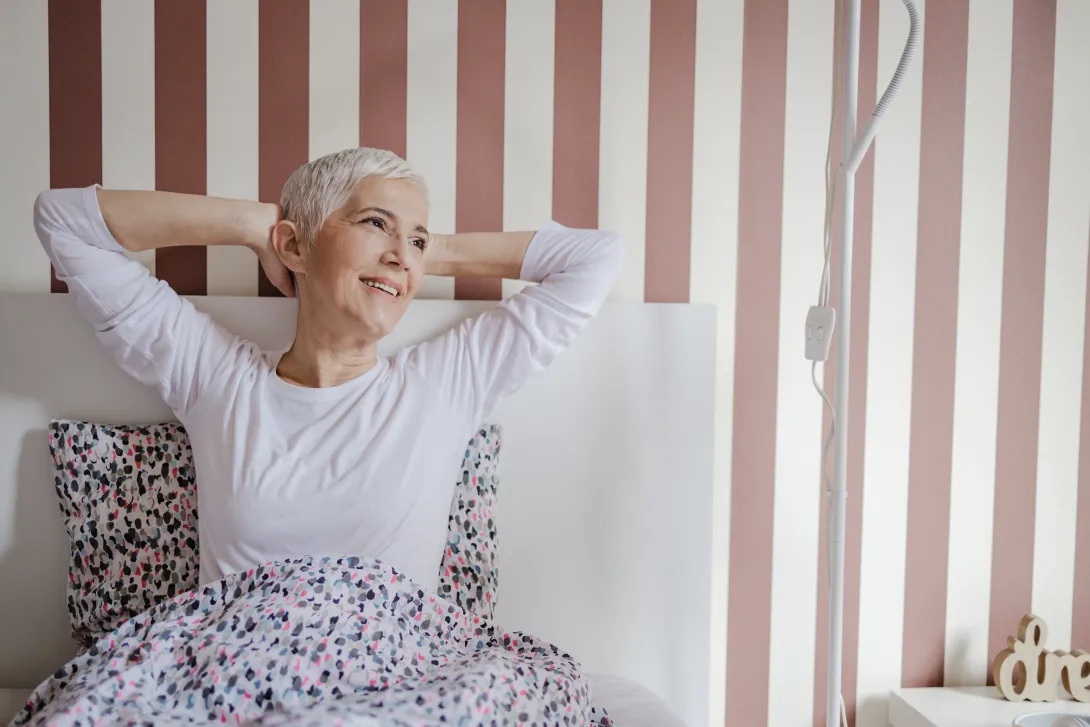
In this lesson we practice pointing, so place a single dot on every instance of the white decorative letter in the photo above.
(1037, 683)
(1076, 674)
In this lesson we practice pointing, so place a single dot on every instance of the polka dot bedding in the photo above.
(128, 497)
(299, 642)
(469, 574)
(314, 642)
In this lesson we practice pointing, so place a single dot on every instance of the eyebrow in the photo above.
(392, 216)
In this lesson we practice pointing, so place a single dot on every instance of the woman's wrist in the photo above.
(436, 260)
(258, 219)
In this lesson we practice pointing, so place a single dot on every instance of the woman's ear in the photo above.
(288, 246)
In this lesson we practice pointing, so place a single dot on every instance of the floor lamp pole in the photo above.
(838, 502)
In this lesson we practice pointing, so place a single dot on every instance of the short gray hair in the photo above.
(316, 189)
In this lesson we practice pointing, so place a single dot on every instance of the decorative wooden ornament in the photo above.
(1042, 670)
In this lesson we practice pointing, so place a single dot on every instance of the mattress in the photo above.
(628, 704)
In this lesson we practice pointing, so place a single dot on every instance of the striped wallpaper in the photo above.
(697, 129)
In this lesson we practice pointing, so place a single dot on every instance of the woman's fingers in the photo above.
(283, 282)
(289, 287)
(277, 274)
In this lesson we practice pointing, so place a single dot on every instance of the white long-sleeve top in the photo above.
(365, 468)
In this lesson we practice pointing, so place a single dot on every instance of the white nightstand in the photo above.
(966, 707)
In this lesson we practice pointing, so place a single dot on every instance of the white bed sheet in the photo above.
(628, 704)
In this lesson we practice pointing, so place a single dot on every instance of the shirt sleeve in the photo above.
(153, 333)
(490, 356)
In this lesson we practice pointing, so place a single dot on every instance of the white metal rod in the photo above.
(839, 499)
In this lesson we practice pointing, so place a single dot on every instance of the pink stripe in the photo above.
(577, 111)
(180, 129)
(670, 150)
(384, 55)
(764, 79)
(937, 254)
(75, 99)
(283, 112)
(1032, 63)
(482, 40)
(1080, 626)
(861, 255)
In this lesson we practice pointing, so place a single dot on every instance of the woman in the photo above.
(327, 448)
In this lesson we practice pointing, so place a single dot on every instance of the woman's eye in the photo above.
(377, 221)
(421, 243)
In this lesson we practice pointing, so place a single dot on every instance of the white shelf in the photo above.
(966, 707)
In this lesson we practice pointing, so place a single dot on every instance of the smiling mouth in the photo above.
(388, 289)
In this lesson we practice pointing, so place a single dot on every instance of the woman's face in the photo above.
(368, 260)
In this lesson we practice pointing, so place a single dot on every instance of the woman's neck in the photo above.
(319, 358)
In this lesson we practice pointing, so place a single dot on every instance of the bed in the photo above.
(608, 463)
(627, 703)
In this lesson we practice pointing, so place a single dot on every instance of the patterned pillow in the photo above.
(128, 496)
(469, 573)
(129, 503)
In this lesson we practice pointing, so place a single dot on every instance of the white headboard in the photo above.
(605, 499)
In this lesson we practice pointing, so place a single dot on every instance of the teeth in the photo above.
(380, 286)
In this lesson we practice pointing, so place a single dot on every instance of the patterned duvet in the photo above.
(315, 642)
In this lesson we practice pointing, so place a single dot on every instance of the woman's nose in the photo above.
(398, 253)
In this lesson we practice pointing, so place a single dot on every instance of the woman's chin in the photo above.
(377, 323)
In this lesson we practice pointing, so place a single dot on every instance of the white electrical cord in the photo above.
(823, 295)
(854, 157)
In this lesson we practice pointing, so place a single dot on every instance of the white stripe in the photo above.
(431, 135)
(1063, 330)
(716, 137)
(334, 76)
(232, 115)
(980, 306)
(622, 155)
(528, 119)
(889, 380)
(797, 509)
(24, 143)
(128, 99)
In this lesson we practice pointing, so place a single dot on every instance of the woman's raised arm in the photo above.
(155, 335)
